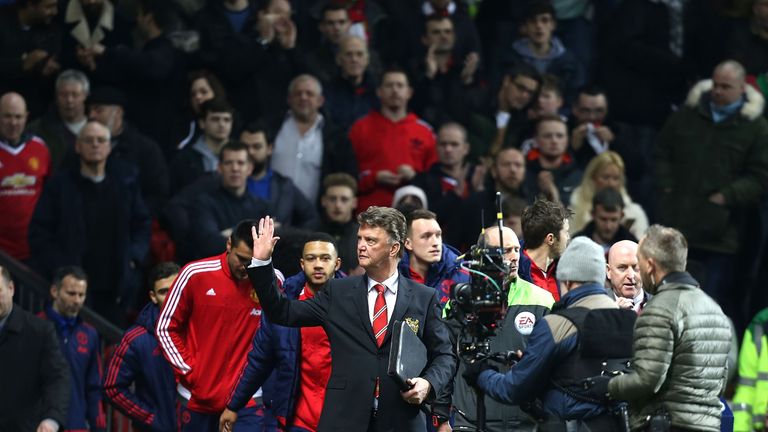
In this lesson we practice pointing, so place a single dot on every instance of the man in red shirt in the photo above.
(24, 166)
(391, 145)
(545, 230)
(302, 353)
(205, 329)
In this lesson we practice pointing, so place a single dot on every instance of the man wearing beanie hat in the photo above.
(557, 369)
(582, 262)
(410, 195)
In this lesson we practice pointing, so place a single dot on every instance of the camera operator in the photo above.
(560, 360)
(527, 304)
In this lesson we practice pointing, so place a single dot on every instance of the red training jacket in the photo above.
(381, 144)
(205, 330)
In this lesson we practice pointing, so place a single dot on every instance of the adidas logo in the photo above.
(211, 292)
(255, 312)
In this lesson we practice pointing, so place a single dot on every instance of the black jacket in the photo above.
(338, 155)
(186, 168)
(134, 147)
(120, 34)
(216, 211)
(482, 203)
(255, 75)
(59, 139)
(621, 234)
(446, 204)
(15, 42)
(34, 374)
(749, 49)
(289, 206)
(342, 309)
(567, 176)
(641, 75)
(346, 102)
(58, 227)
(346, 241)
(154, 81)
(445, 97)
(285, 205)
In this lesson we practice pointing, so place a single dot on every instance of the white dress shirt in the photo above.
(300, 157)
(390, 295)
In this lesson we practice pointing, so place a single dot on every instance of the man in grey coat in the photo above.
(681, 342)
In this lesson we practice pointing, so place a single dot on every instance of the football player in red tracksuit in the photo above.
(205, 330)
(80, 346)
(138, 362)
(299, 357)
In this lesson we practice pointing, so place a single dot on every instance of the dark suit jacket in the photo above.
(33, 373)
(342, 309)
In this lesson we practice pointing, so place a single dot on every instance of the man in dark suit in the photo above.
(355, 313)
(35, 377)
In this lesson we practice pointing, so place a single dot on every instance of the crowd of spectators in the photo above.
(139, 131)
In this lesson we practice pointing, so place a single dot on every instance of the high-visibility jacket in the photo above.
(750, 403)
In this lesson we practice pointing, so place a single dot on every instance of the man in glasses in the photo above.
(519, 89)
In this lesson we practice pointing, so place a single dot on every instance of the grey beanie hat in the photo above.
(582, 261)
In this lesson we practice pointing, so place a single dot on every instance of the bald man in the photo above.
(624, 276)
(308, 146)
(351, 92)
(24, 166)
(720, 132)
(527, 303)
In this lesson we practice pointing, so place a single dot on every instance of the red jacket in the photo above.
(381, 144)
(205, 330)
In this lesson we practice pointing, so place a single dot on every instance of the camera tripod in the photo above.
(508, 358)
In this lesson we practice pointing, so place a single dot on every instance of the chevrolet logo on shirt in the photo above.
(18, 180)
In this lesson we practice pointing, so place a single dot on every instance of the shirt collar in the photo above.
(319, 121)
(390, 283)
(61, 321)
(640, 296)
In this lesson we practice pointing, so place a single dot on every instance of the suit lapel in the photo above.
(360, 297)
(401, 305)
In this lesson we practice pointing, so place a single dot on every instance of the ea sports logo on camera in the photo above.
(524, 322)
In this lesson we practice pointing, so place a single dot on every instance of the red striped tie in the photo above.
(380, 315)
